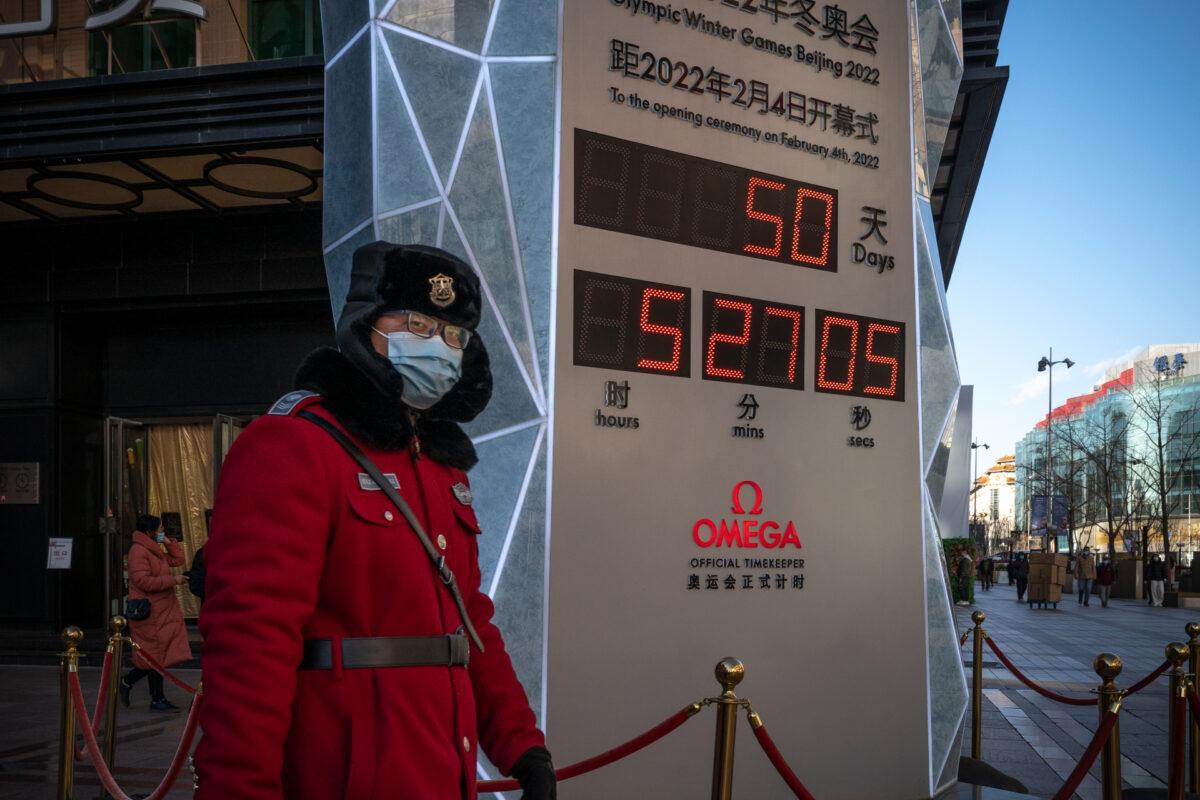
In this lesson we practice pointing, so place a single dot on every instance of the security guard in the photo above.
(348, 649)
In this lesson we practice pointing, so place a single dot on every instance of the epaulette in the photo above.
(292, 402)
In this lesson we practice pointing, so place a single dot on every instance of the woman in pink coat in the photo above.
(162, 634)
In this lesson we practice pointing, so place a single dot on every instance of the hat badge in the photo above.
(441, 292)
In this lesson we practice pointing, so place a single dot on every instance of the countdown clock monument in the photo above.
(727, 394)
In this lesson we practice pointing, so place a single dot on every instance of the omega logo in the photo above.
(745, 532)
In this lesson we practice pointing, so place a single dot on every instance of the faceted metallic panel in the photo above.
(440, 85)
(338, 261)
(935, 478)
(520, 596)
(412, 227)
(954, 18)
(941, 71)
(340, 22)
(525, 27)
(496, 482)
(947, 683)
(462, 23)
(397, 142)
(939, 372)
(526, 123)
(511, 402)
(348, 123)
(922, 180)
(477, 197)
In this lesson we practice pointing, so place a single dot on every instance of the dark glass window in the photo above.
(285, 28)
(141, 45)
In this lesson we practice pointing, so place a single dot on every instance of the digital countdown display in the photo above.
(860, 356)
(627, 324)
(662, 194)
(757, 342)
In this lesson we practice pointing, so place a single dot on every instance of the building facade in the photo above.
(1125, 459)
(161, 183)
(993, 503)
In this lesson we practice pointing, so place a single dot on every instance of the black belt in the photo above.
(371, 652)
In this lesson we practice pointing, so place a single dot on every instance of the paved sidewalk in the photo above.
(29, 709)
(1039, 741)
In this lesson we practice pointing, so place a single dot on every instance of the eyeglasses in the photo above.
(424, 326)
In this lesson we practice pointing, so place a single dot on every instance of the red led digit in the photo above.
(872, 329)
(796, 318)
(797, 221)
(762, 216)
(728, 338)
(662, 330)
(822, 381)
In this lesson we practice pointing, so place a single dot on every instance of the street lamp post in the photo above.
(1044, 364)
(975, 484)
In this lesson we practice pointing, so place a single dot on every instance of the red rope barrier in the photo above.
(777, 760)
(963, 639)
(93, 748)
(1088, 758)
(1178, 742)
(1074, 701)
(1149, 679)
(604, 759)
(101, 698)
(1194, 702)
(161, 670)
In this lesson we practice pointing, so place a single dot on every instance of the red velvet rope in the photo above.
(161, 670)
(93, 748)
(1074, 701)
(1194, 702)
(1088, 758)
(1149, 679)
(781, 766)
(963, 639)
(1178, 742)
(604, 759)
(101, 698)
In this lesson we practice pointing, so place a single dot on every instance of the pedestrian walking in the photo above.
(963, 571)
(1156, 574)
(1020, 570)
(196, 575)
(1085, 573)
(1106, 576)
(349, 650)
(155, 618)
(987, 571)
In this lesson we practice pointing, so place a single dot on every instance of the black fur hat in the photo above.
(387, 277)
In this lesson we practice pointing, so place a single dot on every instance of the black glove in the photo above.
(535, 772)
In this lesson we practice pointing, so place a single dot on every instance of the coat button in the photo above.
(466, 744)
(441, 541)
(388, 516)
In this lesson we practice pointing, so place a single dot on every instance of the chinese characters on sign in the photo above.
(632, 62)
(765, 581)
(833, 24)
(19, 483)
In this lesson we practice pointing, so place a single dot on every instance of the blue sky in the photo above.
(1082, 233)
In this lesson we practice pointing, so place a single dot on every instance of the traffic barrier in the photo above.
(1177, 693)
(161, 670)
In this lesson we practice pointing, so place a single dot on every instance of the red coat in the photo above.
(162, 634)
(300, 550)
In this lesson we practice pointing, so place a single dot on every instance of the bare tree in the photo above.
(1166, 419)
(1111, 500)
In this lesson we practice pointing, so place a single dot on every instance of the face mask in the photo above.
(160, 537)
(430, 367)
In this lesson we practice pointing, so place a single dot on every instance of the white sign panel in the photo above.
(736, 456)
(59, 555)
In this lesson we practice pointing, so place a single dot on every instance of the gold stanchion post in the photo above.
(116, 646)
(729, 674)
(977, 686)
(1193, 632)
(68, 664)
(1177, 654)
(1108, 667)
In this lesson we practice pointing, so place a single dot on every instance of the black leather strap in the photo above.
(368, 466)
(374, 652)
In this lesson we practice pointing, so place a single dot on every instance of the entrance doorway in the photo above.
(168, 468)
